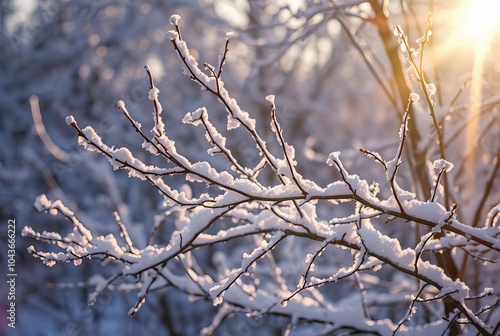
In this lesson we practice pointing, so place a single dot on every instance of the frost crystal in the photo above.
(70, 120)
(153, 94)
(414, 97)
(42, 203)
(443, 164)
(174, 19)
(431, 89)
(172, 35)
(332, 158)
(396, 30)
(218, 300)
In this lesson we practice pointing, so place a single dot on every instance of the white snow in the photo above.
(414, 97)
(172, 35)
(70, 120)
(431, 89)
(443, 164)
(153, 94)
(174, 19)
(386, 247)
(42, 203)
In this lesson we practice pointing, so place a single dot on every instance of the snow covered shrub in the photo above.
(280, 243)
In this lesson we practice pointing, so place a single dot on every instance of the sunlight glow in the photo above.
(482, 19)
(482, 25)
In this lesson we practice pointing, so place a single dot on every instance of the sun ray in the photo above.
(482, 24)
(475, 25)
(482, 19)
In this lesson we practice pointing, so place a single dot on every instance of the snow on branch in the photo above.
(261, 218)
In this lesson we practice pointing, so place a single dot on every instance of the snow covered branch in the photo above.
(268, 232)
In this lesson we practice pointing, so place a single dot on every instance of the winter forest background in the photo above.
(359, 193)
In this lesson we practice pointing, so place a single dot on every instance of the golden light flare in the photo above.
(467, 33)
(482, 19)
(466, 30)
